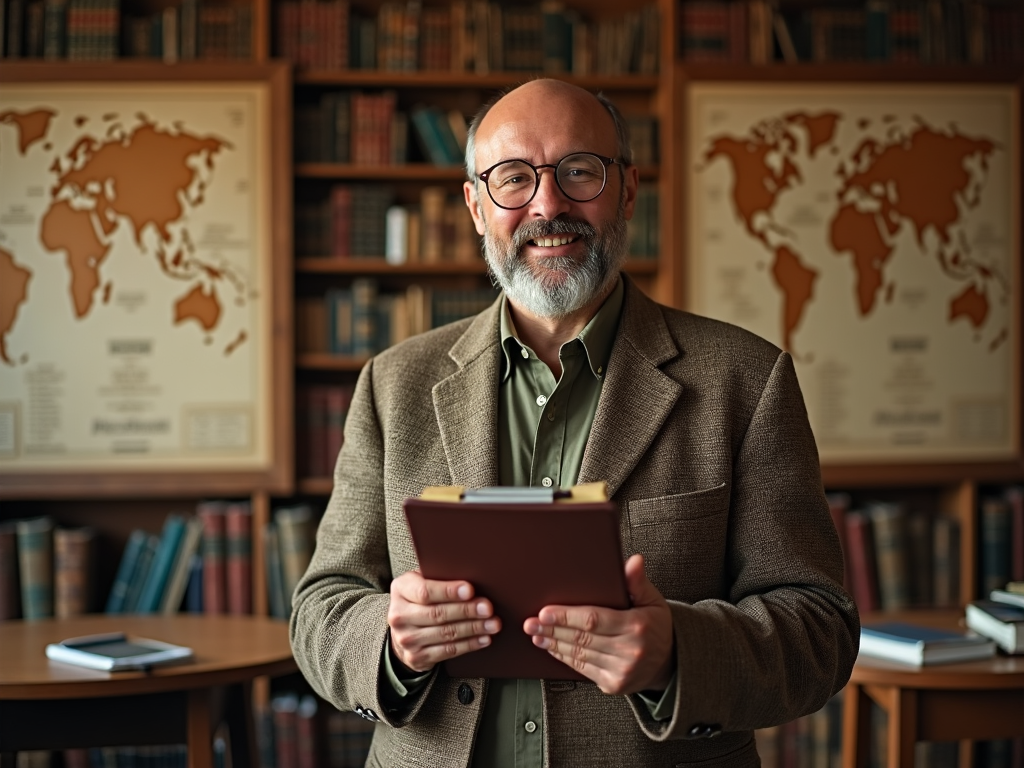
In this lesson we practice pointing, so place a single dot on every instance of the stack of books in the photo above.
(1000, 618)
(918, 645)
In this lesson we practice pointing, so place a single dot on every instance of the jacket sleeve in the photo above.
(338, 624)
(786, 639)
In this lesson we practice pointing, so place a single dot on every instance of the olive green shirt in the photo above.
(543, 427)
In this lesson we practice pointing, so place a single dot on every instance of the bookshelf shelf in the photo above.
(329, 265)
(316, 361)
(440, 79)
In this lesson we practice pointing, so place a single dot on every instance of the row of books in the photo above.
(361, 320)
(898, 557)
(151, 756)
(99, 30)
(902, 31)
(465, 36)
(353, 126)
(298, 731)
(813, 741)
(199, 562)
(365, 221)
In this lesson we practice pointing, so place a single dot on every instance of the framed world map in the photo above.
(872, 230)
(144, 273)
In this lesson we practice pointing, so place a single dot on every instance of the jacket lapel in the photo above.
(466, 404)
(636, 398)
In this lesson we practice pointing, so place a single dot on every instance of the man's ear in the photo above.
(473, 203)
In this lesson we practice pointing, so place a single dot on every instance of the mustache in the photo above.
(531, 230)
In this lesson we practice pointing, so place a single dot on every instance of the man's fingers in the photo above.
(598, 621)
(408, 614)
(570, 636)
(413, 587)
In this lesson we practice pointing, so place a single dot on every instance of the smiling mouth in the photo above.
(552, 242)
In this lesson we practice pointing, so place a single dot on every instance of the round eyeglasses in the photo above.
(513, 183)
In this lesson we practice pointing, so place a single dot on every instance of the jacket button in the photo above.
(465, 694)
(698, 731)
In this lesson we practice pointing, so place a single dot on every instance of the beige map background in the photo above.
(133, 277)
(872, 233)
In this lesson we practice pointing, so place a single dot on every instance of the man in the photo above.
(738, 617)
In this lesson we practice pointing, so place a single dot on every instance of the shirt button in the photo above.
(546, 482)
(524, 353)
(530, 726)
(541, 400)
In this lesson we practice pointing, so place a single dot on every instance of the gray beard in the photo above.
(563, 285)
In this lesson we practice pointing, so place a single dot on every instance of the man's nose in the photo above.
(550, 201)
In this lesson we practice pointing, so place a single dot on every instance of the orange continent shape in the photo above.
(796, 281)
(821, 128)
(149, 171)
(972, 305)
(66, 229)
(857, 232)
(14, 280)
(200, 305)
(32, 126)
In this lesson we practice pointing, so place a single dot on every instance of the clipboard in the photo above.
(522, 548)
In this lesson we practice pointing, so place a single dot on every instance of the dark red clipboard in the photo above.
(521, 557)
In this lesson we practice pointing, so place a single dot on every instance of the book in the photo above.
(891, 554)
(284, 707)
(917, 645)
(994, 530)
(181, 570)
(35, 566)
(140, 573)
(1007, 596)
(73, 578)
(163, 561)
(295, 533)
(1001, 622)
(863, 574)
(116, 651)
(307, 732)
(10, 599)
(1014, 496)
(276, 599)
(238, 558)
(348, 739)
(945, 562)
(194, 588)
(214, 579)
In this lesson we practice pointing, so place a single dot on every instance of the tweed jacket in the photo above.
(702, 436)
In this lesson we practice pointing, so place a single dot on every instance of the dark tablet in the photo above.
(521, 557)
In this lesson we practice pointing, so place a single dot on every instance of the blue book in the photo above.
(914, 644)
(140, 574)
(126, 571)
(194, 589)
(163, 561)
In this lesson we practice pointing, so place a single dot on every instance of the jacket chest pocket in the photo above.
(683, 540)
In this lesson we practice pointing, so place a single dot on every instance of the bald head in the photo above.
(544, 106)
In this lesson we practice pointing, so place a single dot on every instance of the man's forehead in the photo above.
(547, 115)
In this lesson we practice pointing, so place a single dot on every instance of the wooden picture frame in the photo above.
(185, 385)
(751, 136)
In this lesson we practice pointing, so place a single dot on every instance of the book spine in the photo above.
(73, 571)
(214, 581)
(364, 317)
(194, 589)
(35, 561)
(272, 561)
(10, 602)
(238, 557)
(125, 571)
(295, 537)
(151, 597)
(180, 574)
(285, 707)
(995, 544)
(307, 726)
(864, 584)
(1015, 499)
(945, 562)
(889, 523)
(141, 573)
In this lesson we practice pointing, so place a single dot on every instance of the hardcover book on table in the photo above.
(918, 645)
(999, 621)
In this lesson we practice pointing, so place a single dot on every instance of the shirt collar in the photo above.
(596, 337)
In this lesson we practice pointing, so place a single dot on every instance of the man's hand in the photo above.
(432, 621)
(622, 651)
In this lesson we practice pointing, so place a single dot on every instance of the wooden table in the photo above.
(977, 700)
(51, 705)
